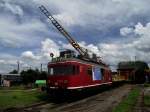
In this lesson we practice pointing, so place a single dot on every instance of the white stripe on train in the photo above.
(88, 86)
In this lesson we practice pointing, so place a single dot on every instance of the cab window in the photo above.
(63, 70)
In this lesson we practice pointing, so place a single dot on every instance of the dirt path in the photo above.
(103, 102)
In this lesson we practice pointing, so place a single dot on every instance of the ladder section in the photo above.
(63, 31)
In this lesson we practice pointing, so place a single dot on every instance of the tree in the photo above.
(13, 72)
(137, 65)
(42, 75)
(30, 76)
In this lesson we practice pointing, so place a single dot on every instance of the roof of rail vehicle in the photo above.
(76, 60)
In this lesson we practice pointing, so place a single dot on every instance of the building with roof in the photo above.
(8, 80)
(133, 71)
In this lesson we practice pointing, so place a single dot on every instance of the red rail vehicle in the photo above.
(70, 71)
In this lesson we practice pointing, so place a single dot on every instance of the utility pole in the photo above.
(135, 58)
(41, 67)
(134, 66)
(18, 67)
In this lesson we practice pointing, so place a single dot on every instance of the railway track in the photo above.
(35, 107)
(102, 101)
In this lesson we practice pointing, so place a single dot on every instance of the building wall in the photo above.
(126, 74)
(9, 79)
(6, 83)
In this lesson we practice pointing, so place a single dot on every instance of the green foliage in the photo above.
(30, 76)
(128, 103)
(13, 72)
(146, 84)
(16, 87)
(147, 100)
(133, 64)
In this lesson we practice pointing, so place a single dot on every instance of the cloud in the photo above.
(141, 38)
(29, 55)
(49, 46)
(2, 61)
(141, 30)
(13, 8)
(142, 42)
(126, 31)
(43, 55)
(97, 13)
(28, 58)
(65, 18)
(138, 47)
(8, 62)
(105, 21)
(13, 34)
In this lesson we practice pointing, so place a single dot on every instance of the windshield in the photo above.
(62, 70)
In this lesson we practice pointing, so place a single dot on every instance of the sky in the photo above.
(116, 30)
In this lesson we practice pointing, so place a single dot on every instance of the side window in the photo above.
(102, 71)
(77, 69)
(89, 71)
(97, 74)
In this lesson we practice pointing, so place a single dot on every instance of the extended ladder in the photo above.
(63, 31)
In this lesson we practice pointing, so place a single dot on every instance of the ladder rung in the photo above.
(59, 26)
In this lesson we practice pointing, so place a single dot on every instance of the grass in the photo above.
(9, 99)
(147, 100)
(127, 104)
(146, 84)
(147, 96)
(21, 87)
